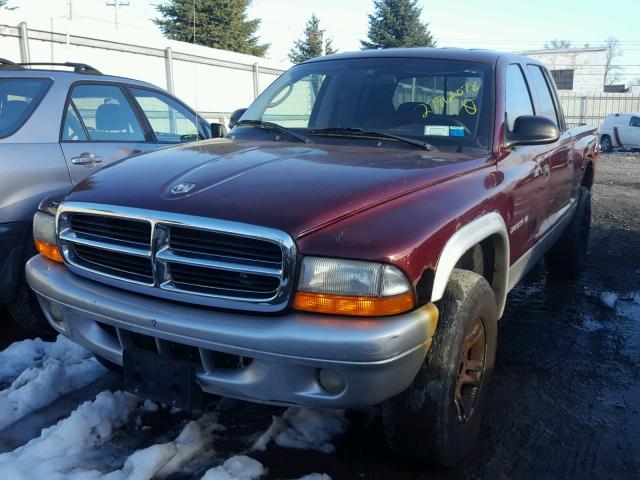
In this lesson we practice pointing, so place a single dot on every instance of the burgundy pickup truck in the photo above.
(350, 243)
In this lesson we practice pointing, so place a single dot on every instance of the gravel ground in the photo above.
(565, 401)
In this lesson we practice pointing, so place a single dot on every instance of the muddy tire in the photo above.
(566, 258)
(25, 308)
(437, 419)
(605, 143)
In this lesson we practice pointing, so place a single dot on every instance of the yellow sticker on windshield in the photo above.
(468, 104)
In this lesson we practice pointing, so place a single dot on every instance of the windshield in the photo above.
(445, 103)
(18, 98)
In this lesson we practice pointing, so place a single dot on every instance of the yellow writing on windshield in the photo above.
(468, 104)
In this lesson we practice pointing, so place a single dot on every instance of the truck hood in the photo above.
(292, 187)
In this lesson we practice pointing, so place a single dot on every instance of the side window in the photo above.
(105, 113)
(72, 129)
(634, 122)
(518, 99)
(170, 121)
(545, 99)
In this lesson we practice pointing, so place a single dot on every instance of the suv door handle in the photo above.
(86, 158)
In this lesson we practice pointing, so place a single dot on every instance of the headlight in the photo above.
(44, 230)
(351, 287)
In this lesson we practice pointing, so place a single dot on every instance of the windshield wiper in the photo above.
(274, 127)
(360, 132)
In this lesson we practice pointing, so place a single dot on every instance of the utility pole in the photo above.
(115, 4)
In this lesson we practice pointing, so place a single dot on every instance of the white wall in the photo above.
(588, 65)
(213, 81)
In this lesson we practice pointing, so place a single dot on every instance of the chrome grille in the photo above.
(183, 258)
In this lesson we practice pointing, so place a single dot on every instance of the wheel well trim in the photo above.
(484, 227)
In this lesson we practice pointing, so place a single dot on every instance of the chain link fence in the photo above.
(592, 109)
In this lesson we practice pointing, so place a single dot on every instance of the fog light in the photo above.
(56, 313)
(331, 381)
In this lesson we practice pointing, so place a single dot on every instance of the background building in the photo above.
(575, 69)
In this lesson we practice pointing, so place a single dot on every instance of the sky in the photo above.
(497, 24)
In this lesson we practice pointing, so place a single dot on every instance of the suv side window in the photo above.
(105, 115)
(518, 98)
(171, 122)
(545, 99)
(634, 122)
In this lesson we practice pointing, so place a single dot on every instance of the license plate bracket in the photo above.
(167, 380)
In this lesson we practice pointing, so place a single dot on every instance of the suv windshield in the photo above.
(443, 103)
(18, 98)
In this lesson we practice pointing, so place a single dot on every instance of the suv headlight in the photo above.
(352, 287)
(44, 229)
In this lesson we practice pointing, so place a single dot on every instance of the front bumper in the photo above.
(376, 358)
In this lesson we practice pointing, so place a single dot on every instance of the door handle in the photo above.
(86, 158)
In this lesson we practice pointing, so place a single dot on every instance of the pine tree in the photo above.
(396, 23)
(312, 44)
(219, 24)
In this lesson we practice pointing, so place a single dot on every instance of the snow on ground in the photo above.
(304, 428)
(239, 467)
(40, 372)
(59, 449)
(609, 299)
(36, 373)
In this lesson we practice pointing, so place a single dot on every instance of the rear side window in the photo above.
(171, 122)
(545, 100)
(634, 122)
(104, 113)
(518, 97)
(19, 97)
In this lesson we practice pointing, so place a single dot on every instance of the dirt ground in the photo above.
(565, 399)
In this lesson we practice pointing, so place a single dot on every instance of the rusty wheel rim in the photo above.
(470, 370)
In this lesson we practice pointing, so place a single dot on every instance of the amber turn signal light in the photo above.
(52, 252)
(355, 306)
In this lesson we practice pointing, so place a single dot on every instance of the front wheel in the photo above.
(437, 419)
(605, 143)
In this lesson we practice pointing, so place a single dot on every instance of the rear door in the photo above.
(100, 126)
(559, 178)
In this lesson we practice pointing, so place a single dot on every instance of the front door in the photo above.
(100, 127)
(559, 175)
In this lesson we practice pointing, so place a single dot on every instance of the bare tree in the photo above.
(612, 71)
(557, 44)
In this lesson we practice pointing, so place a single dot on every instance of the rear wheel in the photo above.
(605, 143)
(566, 258)
(437, 419)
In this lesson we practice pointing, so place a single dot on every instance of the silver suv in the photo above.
(56, 128)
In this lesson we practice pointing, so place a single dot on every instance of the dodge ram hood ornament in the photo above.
(181, 188)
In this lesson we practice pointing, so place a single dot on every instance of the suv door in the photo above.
(170, 121)
(631, 132)
(525, 165)
(559, 183)
(100, 127)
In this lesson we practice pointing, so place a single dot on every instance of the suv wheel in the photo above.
(25, 308)
(438, 417)
(566, 257)
(605, 143)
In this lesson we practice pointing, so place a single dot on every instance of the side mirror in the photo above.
(235, 116)
(531, 130)
(218, 130)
